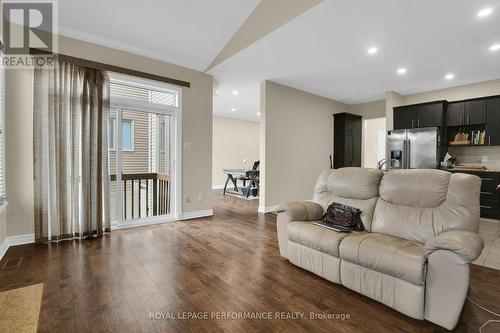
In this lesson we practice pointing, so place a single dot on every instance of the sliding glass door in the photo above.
(142, 157)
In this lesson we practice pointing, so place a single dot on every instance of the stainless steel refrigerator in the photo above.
(413, 148)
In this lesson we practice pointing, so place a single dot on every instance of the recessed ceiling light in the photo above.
(235, 92)
(258, 113)
(402, 71)
(372, 50)
(484, 12)
(233, 109)
(449, 76)
(495, 47)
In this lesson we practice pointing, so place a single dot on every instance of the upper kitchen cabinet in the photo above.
(466, 113)
(403, 117)
(475, 112)
(430, 115)
(419, 115)
(493, 121)
(455, 114)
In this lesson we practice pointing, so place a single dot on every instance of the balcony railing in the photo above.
(145, 194)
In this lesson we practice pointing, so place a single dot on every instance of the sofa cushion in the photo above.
(316, 237)
(415, 188)
(352, 183)
(421, 204)
(355, 187)
(390, 255)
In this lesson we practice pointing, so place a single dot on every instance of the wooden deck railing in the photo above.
(156, 185)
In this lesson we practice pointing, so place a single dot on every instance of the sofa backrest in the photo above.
(356, 187)
(420, 204)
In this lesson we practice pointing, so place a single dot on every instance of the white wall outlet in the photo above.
(484, 159)
(245, 161)
(187, 199)
(187, 145)
(201, 196)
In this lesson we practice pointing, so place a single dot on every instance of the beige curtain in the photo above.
(71, 110)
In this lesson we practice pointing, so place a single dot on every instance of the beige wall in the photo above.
(234, 140)
(488, 88)
(298, 139)
(370, 110)
(373, 141)
(3, 226)
(392, 100)
(196, 130)
(19, 151)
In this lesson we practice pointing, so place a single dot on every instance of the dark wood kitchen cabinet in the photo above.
(475, 112)
(430, 115)
(419, 115)
(489, 197)
(403, 117)
(347, 140)
(455, 114)
(466, 113)
(493, 121)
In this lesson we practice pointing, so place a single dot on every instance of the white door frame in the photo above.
(175, 137)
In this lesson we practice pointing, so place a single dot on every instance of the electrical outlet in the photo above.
(187, 145)
(484, 159)
(201, 196)
(187, 199)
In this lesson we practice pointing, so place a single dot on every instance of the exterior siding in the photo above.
(136, 161)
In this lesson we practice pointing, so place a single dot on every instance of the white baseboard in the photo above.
(3, 248)
(217, 187)
(21, 239)
(197, 214)
(15, 240)
(267, 209)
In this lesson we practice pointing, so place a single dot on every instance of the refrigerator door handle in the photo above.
(408, 154)
(405, 155)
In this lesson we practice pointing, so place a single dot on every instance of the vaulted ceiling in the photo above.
(189, 33)
(313, 45)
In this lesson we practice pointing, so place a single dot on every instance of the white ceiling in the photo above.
(324, 51)
(188, 32)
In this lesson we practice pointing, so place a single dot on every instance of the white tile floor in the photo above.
(490, 231)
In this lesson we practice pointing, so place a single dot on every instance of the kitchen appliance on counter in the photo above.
(449, 162)
(416, 148)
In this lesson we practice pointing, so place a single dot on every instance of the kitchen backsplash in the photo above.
(487, 156)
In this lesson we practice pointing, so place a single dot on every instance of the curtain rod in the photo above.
(112, 68)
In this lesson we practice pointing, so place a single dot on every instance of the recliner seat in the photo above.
(420, 235)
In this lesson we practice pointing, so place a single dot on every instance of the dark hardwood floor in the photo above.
(227, 263)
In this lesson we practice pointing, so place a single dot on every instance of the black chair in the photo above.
(245, 179)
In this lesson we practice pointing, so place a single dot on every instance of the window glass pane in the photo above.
(162, 137)
(127, 135)
(111, 133)
(143, 94)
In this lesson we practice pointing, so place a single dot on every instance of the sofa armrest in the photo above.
(466, 244)
(302, 211)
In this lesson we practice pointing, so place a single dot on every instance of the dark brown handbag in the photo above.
(344, 216)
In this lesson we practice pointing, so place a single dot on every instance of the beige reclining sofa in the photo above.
(421, 233)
